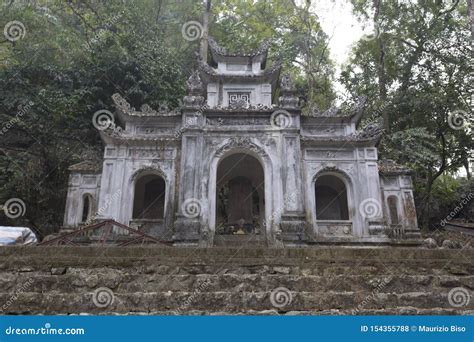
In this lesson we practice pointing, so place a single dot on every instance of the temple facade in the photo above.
(239, 162)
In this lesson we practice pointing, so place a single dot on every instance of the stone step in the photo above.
(233, 241)
(273, 312)
(135, 267)
(272, 255)
(122, 282)
(43, 280)
(234, 302)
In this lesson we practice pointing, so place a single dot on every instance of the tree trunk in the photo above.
(381, 74)
(425, 213)
(205, 31)
(470, 13)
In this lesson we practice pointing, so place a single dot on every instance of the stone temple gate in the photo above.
(239, 161)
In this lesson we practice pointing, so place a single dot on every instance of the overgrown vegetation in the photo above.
(417, 72)
(76, 54)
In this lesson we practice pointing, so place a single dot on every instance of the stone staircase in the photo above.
(229, 280)
(240, 241)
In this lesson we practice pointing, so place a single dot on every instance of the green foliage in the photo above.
(447, 194)
(297, 36)
(446, 190)
(416, 74)
(76, 54)
(72, 59)
(415, 146)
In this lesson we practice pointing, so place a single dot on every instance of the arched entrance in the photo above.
(87, 208)
(149, 198)
(149, 207)
(331, 198)
(240, 196)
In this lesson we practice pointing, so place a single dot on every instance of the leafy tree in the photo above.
(297, 35)
(416, 70)
(72, 58)
(75, 55)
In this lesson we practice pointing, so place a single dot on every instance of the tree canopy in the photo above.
(417, 71)
(61, 61)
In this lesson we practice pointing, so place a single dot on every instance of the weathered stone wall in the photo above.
(161, 280)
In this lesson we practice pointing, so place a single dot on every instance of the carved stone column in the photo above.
(187, 227)
(293, 221)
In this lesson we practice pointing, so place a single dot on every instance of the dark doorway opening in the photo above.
(240, 195)
(149, 200)
(331, 198)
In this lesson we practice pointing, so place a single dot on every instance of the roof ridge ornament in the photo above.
(194, 84)
(145, 110)
(121, 103)
(216, 47)
(359, 105)
(331, 111)
(195, 88)
(372, 130)
(263, 47)
(288, 98)
(287, 85)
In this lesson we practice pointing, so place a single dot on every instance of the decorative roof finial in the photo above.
(287, 85)
(194, 84)
(288, 99)
(216, 47)
(195, 88)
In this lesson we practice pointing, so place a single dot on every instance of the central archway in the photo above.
(240, 195)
